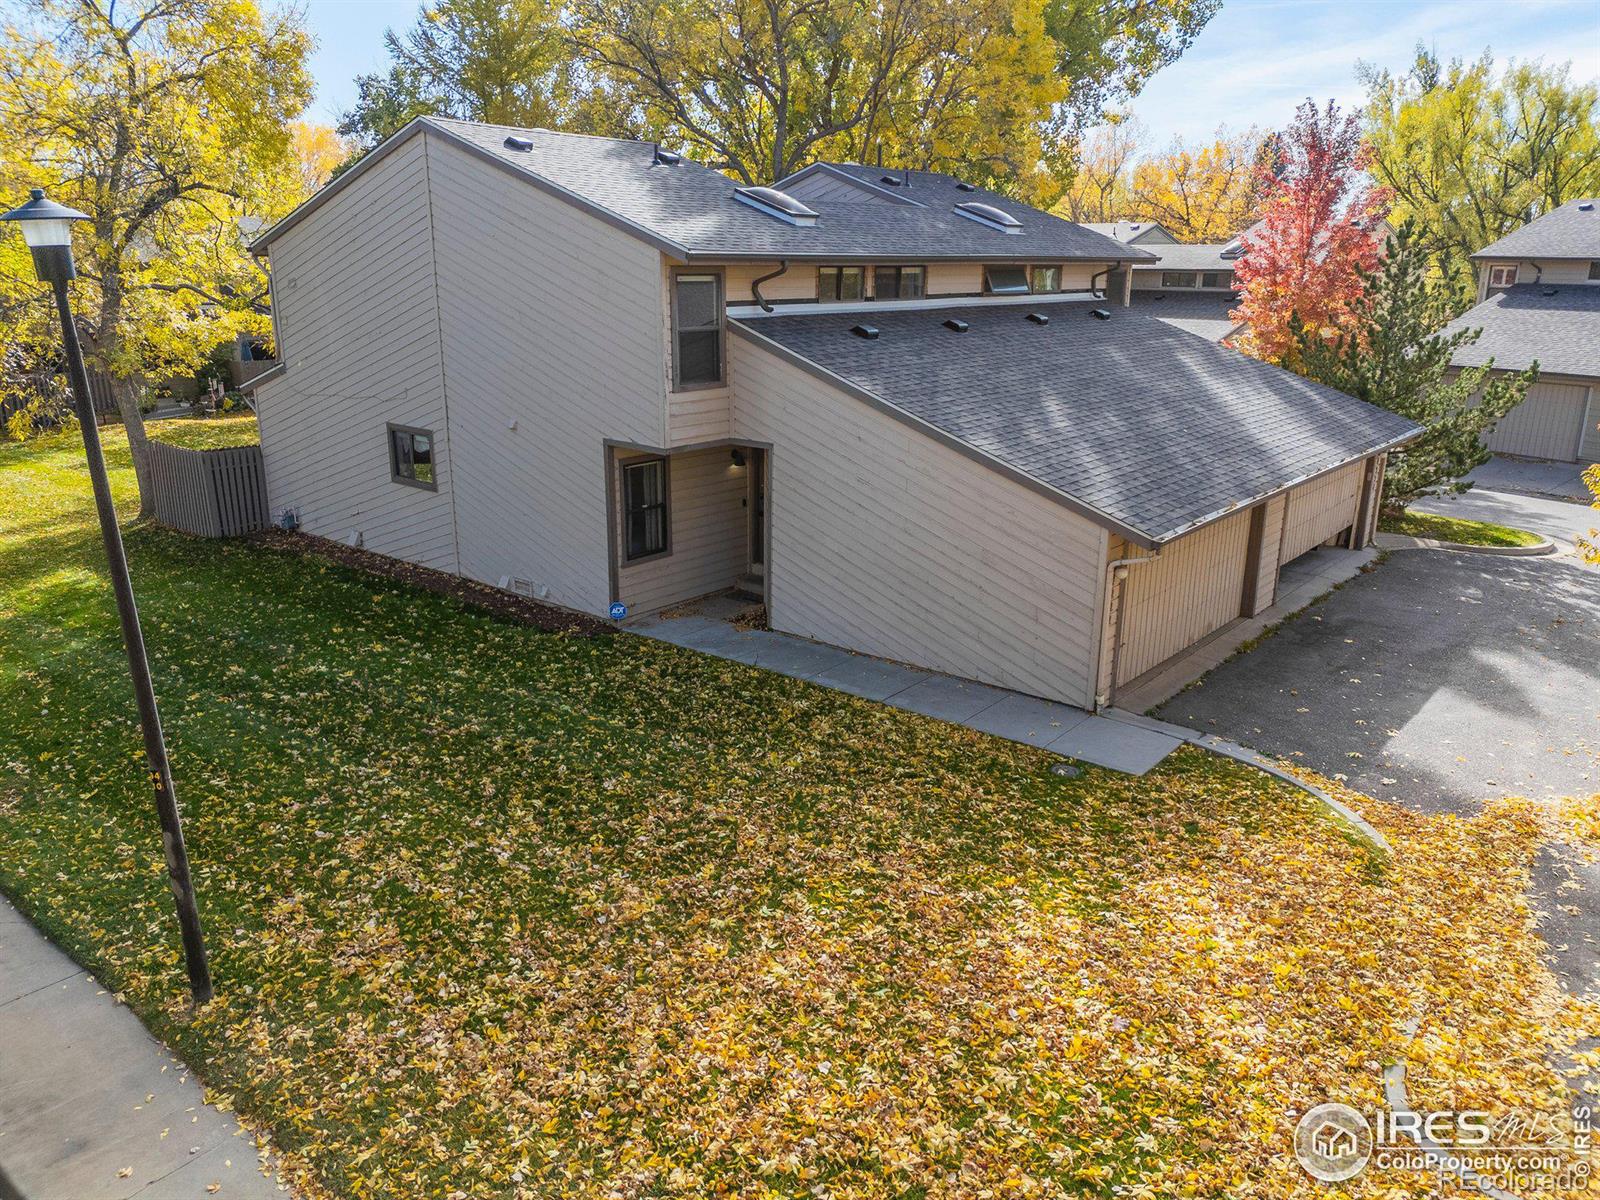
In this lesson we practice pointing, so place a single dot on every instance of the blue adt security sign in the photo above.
(618, 611)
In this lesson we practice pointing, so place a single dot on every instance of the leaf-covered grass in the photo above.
(1462, 531)
(503, 913)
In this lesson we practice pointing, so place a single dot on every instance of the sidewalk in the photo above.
(91, 1106)
(1060, 728)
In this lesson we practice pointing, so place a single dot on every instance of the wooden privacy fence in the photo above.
(215, 493)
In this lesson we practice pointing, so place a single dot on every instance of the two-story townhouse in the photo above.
(895, 406)
(1539, 302)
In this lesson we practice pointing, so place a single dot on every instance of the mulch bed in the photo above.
(479, 595)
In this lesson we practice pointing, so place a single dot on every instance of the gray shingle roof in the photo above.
(1204, 314)
(1127, 231)
(1144, 428)
(1522, 325)
(690, 211)
(1566, 232)
(1197, 257)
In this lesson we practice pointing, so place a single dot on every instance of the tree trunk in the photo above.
(126, 392)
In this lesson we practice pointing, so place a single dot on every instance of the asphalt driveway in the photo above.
(1434, 680)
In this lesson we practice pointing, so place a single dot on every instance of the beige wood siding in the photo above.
(552, 323)
(708, 535)
(354, 303)
(955, 278)
(1268, 560)
(1320, 509)
(799, 282)
(888, 542)
(1193, 588)
(1589, 448)
(1548, 424)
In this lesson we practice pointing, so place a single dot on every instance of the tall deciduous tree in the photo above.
(1106, 50)
(1392, 354)
(1307, 256)
(502, 61)
(167, 123)
(1471, 153)
(1101, 187)
(1206, 194)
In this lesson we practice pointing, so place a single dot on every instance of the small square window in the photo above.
(644, 508)
(1503, 276)
(411, 457)
(1005, 281)
(841, 283)
(1046, 280)
(1178, 279)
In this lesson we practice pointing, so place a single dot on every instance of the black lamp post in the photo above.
(47, 228)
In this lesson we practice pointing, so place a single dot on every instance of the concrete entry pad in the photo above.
(1060, 728)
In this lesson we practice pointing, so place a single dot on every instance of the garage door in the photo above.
(1194, 588)
(1548, 424)
(1319, 510)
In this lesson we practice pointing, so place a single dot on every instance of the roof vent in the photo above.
(1038, 318)
(988, 214)
(1586, 206)
(776, 204)
(667, 158)
(1100, 314)
(963, 186)
(891, 180)
(516, 143)
(1549, 291)
(956, 324)
(870, 332)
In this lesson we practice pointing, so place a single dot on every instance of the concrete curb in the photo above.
(1250, 757)
(1394, 1092)
(1400, 541)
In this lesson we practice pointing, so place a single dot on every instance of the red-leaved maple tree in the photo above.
(1319, 229)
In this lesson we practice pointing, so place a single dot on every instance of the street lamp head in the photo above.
(47, 228)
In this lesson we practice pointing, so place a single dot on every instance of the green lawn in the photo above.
(1457, 529)
(503, 913)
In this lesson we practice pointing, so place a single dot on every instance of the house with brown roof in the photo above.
(903, 411)
(1539, 302)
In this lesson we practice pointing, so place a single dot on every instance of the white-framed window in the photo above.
(1502, 275)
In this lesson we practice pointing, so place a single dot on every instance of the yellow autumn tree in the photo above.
(1100, 189)
(318, 150)
(167, 122)
(1203, 194)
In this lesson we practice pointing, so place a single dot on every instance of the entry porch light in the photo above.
(47, 228)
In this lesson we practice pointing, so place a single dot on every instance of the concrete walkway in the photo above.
(1060, 728)
(91, 1106)
(1531, 477)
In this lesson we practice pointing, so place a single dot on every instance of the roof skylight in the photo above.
(988, 214)
(776, 204)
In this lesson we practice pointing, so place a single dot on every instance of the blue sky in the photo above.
(1251, 65)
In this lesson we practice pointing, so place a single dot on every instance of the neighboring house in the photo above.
(1539, 301)
(1187, 286)
(890, 404)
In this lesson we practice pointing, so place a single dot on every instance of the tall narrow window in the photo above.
(696, 330)
(1046, 279)
(899, 283)
(411, 457)
(644, 507)
(841, 283)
